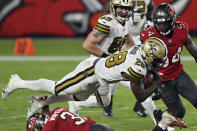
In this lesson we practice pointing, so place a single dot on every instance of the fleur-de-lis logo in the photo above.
(152, 48)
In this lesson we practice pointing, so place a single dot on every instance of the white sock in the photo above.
(149, 105)
(56, 99)
(90, 102)
(162, 126)
(41, 85)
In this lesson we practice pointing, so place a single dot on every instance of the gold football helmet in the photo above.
(154, 51)
(121, 3)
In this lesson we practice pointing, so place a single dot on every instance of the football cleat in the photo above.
(107, 111)
(173, 121)
(157, 115)
(139, 109)
(10, 88)
(73, 107)
(35, 105)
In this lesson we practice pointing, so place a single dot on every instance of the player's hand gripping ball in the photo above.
(148, 80)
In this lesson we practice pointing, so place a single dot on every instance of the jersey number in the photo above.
(175, 57)
(115, 59)
(117, 44)
(141, 5)
(78, 120)
(139, 63)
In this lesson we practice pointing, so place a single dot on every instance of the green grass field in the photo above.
(13, 111)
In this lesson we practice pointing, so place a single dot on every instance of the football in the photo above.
(148, 80)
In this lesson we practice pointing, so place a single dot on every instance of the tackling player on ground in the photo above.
(60, 119)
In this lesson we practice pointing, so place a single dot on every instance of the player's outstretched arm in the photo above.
(191, 47)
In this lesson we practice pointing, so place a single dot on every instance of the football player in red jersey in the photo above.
(175, 80)
(60, 119)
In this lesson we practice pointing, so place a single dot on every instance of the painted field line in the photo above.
(60, 58)
(42, 58)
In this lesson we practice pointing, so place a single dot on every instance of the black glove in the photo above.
(104, 55)
(155, 75)
(157, 95)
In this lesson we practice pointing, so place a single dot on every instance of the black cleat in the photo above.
(108, 109)
(139, 109)
(158, 115)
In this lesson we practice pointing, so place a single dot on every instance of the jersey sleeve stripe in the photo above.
(74, 80)
(102, 28)
(134, 74)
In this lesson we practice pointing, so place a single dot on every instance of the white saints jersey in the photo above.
(117, 33)
(129, 61)
(139, 16)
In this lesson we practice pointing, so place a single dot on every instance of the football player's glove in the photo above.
(157, 95)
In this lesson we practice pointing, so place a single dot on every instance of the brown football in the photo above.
(148, 80)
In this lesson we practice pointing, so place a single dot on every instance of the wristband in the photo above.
(104, 55)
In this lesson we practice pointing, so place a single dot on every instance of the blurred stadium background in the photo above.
(57, 29)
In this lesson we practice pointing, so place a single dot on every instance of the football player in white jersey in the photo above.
(129, 65)
(142, 17)
(111, 33)
(142, 14)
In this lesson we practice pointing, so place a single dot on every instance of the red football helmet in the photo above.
(36, 122)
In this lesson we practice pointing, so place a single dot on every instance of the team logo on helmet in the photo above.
(153, 52)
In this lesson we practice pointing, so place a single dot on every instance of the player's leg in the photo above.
(171, 98)
(188, 92)
(77, 85)
(80, 90)
(139, 109)
(40, 85)
(107, 111)
(101, 99)
(100, 127)
(148, 104)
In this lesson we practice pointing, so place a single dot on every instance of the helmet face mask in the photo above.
(153, 52)
(164, 19)
(117, 7)
(36, 122)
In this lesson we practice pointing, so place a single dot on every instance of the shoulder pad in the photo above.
(104, 24)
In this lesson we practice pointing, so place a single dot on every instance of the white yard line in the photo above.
(86, 111)
(42, 58)
(60, 58)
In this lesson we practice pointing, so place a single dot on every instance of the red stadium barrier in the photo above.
(64, 18)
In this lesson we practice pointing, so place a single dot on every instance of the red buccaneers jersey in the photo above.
(173, 66)
(63, 120)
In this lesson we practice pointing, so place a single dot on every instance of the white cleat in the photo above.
(10, 88)
(73, 107)
(35, 105)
